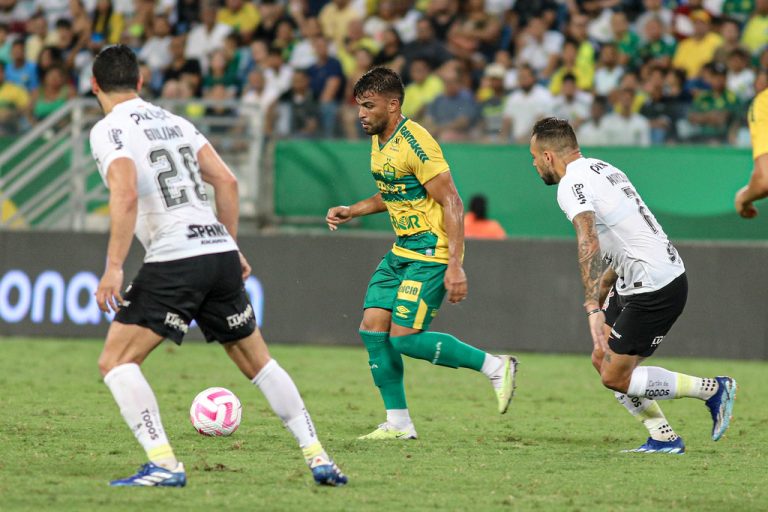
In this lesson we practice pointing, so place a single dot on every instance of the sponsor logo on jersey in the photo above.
(240, 319)
(148, 115)
(195, 231)
(409, 290)
(407, 224)
(598, 166)
(577, 192)
(174, 321)
(657, 341)
(115, 135)
(411, 140)
(617, 178)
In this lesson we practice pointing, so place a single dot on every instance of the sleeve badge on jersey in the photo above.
(577, 192)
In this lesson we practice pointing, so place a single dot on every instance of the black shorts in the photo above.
(166, 296)
(640, 322)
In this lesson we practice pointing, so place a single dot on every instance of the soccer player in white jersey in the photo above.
(642, 290)
(154, 164)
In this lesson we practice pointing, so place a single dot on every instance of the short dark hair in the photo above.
(555, 134)
(116, 69)
(479, 206)
(380, 80)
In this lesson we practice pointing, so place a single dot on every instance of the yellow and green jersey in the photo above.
(401, 166)
(758, 124)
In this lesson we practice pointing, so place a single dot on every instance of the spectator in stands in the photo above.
(156, 50)
(755, 35)
(577, 29)
(477, 225)
(568, 66)
(277, 73)
(327, 83)
(14, 105)
(35, 40)
(682, 22)
(390, 15)
(334, 20)
(629, 81)
(303, 55)
(492, 105)
(625, 39)
(182, 68)
(593, 132)
(257, 99)
(206, 36)
(350, 108)
(271, 13)
(712, 112)
(609, 72)
(424, 87)
(241, 16)
(653, 9)
(300, 113)
(442, 14)
(220, 74)
(659, 47)
(699, 49)
(524, 106)
(106, 23)
(354, 40)
(659, 111)
(730, 31)
(476, 30)
(741, 77)
(20, 71)
(285, 38)
(539, 48)
(626, 127)
(529, 9)
(68, 41)
(452, 114)
(425, 46)
(571, 104)
(53, 93)
(391, 52)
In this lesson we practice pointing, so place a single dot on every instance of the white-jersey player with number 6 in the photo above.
(155, 165)
(634, 302)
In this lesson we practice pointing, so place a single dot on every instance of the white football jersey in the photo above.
(631, 240)
(175, 219)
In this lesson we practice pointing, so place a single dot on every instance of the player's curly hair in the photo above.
(380, 80)
(555, 134)
(116, 69)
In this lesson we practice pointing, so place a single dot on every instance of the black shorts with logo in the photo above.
(639, 322)
(166, 296)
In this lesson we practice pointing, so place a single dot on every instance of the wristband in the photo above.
(592, 312)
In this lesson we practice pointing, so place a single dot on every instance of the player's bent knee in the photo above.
(618, 383)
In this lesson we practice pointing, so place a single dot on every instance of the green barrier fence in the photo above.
(690, 189)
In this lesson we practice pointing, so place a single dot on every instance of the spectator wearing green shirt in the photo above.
(627, 41)
(738, 9)
(713, 112)
(659, 47)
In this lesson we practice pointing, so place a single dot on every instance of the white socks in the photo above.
(138, 406)
(660, 384)
(285, 400)
(649, 412)
(491, 364)
(399, 418)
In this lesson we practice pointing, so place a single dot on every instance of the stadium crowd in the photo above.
(625, 72)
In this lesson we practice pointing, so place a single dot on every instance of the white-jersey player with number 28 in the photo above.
(633, 304)
(155, 165)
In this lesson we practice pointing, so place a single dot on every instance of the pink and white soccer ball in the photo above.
(215, 412)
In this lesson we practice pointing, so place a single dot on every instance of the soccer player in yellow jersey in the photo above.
(407, 288)
(757, 188)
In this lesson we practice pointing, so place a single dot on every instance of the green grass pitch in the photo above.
(62, 438)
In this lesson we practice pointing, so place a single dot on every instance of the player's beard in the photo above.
(375, 128)
(548, 175)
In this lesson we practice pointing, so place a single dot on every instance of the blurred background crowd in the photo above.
(625, 72)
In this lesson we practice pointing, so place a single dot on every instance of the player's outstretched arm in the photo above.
(216, 172)
(757, 188)
(442, 189)
(342, 214)
(123, 206)
(591, 265)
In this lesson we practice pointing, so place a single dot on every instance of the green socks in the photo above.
(386, 367)
(439, 348)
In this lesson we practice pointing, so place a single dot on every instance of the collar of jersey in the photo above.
(572, 163)
(128, 103)
(397, 129)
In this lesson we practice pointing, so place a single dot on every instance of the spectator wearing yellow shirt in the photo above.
(424, 88)
(14, 102)
(699, 49)
(241, 15)
(584, 72)
(755, 34)
(335, 17)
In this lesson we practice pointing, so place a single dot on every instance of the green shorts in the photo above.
(411, 289)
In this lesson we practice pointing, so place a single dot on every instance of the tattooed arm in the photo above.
(591, 266)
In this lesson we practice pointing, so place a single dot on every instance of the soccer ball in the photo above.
(215, 412)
